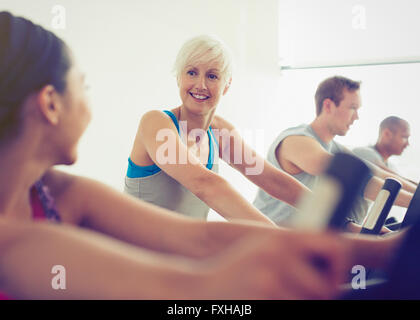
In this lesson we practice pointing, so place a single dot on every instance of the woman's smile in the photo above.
(199, 96)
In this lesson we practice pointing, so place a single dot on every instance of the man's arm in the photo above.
(382, 171)
(309, 156)
(255, 168)
(396, 173)
(375, 185)
(304, 153)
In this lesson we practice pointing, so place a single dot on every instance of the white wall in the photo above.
(127, 49)
(328, 32)
(349, 30)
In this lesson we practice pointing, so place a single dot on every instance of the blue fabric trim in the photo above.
(174, 119)
(135, 171)
(210, 160)
(217, 143)
(47, 201)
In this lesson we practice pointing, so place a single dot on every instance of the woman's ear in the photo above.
(228, 83)
(49, 104)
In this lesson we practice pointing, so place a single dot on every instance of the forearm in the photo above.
(162, 235)
(403, 199)
(383, 174)
(353, 227)
(140, 223)
(221, 197)
(283, 187)
(375, 185)
(371, 251)
(95, 267)
(276, 183)
(137, 222)
(217, 235)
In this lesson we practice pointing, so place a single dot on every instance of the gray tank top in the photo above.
(164, 191)
(279, 211)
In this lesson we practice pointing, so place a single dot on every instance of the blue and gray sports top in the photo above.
(152, 184)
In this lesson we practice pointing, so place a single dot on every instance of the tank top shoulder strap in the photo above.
(173, 117)
(210, 133)
(214, 137)
(43, 203)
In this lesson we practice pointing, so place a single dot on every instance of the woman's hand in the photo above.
(279, 265)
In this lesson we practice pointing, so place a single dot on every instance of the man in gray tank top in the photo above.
(304, 151)
(394, 133)
(277, 210)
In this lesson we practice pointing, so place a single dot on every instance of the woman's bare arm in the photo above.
(270, 266)
(210, 187)
(96, 267)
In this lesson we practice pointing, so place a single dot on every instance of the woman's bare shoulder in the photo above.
(221, 123)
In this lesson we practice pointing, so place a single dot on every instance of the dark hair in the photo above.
(333, 88)
(30, 58)
(392, 123)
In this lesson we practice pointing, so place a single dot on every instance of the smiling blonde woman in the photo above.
(185, 178)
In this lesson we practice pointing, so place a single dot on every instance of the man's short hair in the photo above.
(392, 123)
(333, 88)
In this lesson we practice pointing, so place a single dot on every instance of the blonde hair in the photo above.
(203, 49)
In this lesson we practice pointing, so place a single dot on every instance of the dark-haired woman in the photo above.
(43, 113)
